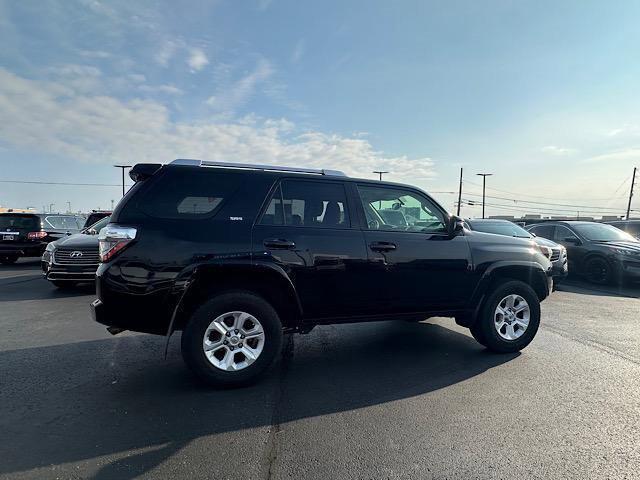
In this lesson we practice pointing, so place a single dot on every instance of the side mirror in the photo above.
(572, 240)
(455, 226)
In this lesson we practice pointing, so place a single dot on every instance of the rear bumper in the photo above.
(118, 305)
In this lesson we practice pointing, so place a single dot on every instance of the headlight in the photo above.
(546, 251)
(624, 251)
(50, 247)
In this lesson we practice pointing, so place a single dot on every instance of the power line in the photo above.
(543, 197)
(62, 183)
(593, 207)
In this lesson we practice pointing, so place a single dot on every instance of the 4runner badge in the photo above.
(236, 219)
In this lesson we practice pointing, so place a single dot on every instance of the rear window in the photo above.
(186, 193)
(19, 222)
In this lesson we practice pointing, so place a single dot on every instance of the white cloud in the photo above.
(167, 89)
(166, 52)
(103, 129)
(229, 98)
(629, 155)
(555, 150)
(197, 60)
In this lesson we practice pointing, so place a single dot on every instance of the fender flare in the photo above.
(188, 277)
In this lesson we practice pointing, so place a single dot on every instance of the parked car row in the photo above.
(27, 234)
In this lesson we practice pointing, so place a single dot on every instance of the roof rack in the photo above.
(248, 166)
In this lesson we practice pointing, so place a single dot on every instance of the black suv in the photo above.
(234, 255)
(27, 234)
(601, 253)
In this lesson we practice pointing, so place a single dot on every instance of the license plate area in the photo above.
(8, 237)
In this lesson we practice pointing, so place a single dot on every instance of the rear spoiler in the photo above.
(142, 171)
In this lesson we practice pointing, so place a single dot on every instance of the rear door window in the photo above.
(186, 194)
(302, 203)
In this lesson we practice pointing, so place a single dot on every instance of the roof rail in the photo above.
(249, 166)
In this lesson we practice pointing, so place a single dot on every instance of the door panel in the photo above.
(415, 265)
(306, 229)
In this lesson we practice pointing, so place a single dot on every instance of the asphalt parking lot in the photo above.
(382, 400)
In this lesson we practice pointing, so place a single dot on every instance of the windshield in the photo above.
(501, 228)
(99, 225)
(19, 222)
(64, 222)
(598, 232)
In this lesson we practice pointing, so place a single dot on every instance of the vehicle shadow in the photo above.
(75, 402)
(38, 288)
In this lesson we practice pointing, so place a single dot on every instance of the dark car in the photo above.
(234, 255)
(73, 259)
(553, 251)
(632, 227)
(603, 254)
(94, 216)
(27, 234)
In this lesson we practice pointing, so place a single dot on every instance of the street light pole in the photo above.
(122, 167)
(633, 183)
(484, 187)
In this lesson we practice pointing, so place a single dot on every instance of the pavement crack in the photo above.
(276, 417)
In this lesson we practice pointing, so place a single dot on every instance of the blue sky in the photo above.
(542, 94)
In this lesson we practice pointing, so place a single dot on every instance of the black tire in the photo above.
(484, 330)
(8, 260)
(193, 335)
(597, 270)
(63, 284)
(476, 332)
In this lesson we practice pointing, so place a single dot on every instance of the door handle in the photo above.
(279, 243)
(382, 246)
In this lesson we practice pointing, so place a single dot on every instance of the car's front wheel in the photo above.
(509, 318)
(232, 339)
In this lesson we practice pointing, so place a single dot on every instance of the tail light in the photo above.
(36, 235)
(113, 239)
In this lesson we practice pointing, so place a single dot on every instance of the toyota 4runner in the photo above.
(235, 255)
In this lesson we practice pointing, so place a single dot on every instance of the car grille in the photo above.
(68, 256)
(555, 254)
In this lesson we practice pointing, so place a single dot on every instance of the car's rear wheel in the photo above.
(232, 339)
(598, 271)
(509, 319)
(8, 260)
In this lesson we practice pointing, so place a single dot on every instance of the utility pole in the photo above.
(633, 182)
(122, 167)
(112, 205)
(51, 207)
(484, 187)
(68, 206)
(459, 193)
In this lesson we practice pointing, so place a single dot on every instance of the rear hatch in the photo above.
(15, 227)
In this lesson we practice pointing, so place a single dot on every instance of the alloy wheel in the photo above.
(233, 341)
(511, 317)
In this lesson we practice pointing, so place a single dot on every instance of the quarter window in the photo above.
(402, 210)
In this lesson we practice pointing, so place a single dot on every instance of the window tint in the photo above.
(562, 233)
(397, 209)
(19, 222)
(544, 231)
(273, 215)
(188, 194)
(308, 204)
